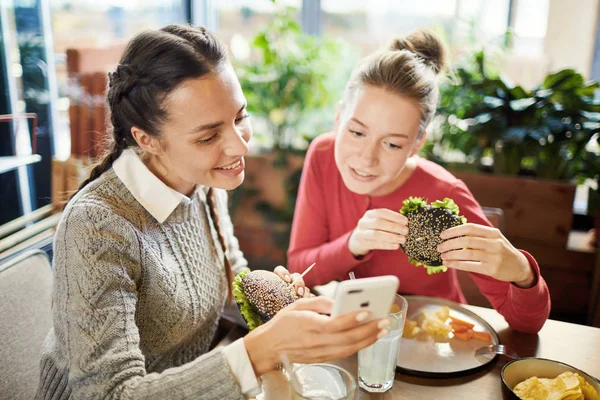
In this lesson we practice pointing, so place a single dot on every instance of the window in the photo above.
(92, 23)
(371, 23)
(246, 17)
(530, 27)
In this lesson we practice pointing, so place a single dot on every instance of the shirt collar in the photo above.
(153, 194)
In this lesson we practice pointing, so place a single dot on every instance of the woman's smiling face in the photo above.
(376, 134)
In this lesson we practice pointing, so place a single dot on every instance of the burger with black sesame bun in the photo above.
(425, 223)
(260, 295)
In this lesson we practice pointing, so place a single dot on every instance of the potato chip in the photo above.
(566, 386)
(589, 393)
(576, 396)
(556, 388)
(570, 380)
(531, 389)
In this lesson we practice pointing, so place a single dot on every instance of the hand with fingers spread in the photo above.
(299, 284)
(379, 229)
(482, 249)
(306, 335)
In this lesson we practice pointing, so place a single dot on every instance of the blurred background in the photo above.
(518, 115)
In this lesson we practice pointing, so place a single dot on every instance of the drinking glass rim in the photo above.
(343, 371)
(404, 308)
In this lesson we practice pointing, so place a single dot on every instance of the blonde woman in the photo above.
(355, 180)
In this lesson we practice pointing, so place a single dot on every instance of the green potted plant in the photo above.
(291, 93)
(529, 142)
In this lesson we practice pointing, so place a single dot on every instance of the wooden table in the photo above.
(577, 345)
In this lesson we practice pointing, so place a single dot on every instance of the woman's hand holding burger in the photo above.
(379, 229)
(299, 284)
(485, 250)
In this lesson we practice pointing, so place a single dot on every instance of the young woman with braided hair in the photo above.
(145, 251)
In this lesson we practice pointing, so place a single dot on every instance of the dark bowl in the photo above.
(519, 370)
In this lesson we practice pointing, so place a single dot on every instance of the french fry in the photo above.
(464, 336)
(483, 336)
(459, 327)
(461, 322)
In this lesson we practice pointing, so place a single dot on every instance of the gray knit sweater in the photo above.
(136, 302)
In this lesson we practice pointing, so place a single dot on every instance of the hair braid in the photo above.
(103, 165)
(214, 215)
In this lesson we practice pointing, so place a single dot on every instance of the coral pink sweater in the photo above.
(327, 213)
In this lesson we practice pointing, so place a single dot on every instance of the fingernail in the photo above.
(361, 316)
(383, 323)
(381, 334)
(287, 278)
(301, 291)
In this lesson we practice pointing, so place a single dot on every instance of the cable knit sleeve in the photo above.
(97, 267)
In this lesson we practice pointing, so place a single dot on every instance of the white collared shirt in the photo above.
(160, 201)
(153, 194)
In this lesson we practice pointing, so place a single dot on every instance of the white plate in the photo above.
(454, 357)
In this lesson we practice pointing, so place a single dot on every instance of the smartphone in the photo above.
(375, 295)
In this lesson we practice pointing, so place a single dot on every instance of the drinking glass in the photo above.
(322, 382)
(377, 363)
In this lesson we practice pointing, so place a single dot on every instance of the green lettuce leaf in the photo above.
(447, 203)
(430, 268)
(246, 309)
(412, 204)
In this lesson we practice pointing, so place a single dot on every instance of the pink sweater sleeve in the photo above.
(525, 310)
(310, 241)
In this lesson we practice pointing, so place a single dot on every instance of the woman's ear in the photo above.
(147, 143)
(419, 145)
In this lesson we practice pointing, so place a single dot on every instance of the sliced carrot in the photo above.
(483, 336)
(458, 327)
(461, 322)
(464, 335)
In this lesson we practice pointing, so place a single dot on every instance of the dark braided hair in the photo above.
(155, 63)
(214, 215)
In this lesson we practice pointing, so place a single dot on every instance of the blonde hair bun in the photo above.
(424, 44)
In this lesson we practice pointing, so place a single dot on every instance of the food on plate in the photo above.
(260, 295)
(441, 326)
(411, 329)
(425, 223)
(566, 386)
(430, 323)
